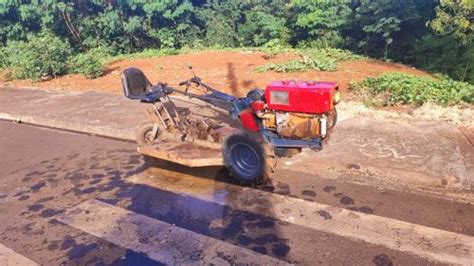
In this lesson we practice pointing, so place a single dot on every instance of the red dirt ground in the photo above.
(228, 70)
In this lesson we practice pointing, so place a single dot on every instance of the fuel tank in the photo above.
(301, 96)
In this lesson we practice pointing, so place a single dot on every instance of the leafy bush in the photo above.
(337, 55)
(43, 55)
(262, 28)
(300, 65)
(3, 57)
(445, 54)
(319, 22)
(313, 59)
(374, 27)
(394, 88)
(90, 64)
(220, 32)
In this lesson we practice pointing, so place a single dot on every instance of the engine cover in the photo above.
(301, 96)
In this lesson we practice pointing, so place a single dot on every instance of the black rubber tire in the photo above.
(255, 94)
(143, 134)
(248, 157)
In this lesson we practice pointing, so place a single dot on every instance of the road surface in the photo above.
(73, 199)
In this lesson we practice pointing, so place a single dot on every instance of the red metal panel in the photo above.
(257, 106)
(247, 118)
(303, 97)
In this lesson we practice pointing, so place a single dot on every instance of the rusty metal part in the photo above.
(268, 120)
(184, 128)
(164, 114)
(298, 126)
(293, 125)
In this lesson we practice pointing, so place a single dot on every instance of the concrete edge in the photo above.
(105, 131)
(49, 89)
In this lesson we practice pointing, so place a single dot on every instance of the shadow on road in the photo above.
(104, 176)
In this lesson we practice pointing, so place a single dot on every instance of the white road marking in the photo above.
(161, 241)
(427, 242)
(8, 257)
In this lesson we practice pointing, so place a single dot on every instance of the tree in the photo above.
(321, 21)
(375, 23)
(445, 54)
(455, 18)
(386, 27)
(220, 19)
(264, 22)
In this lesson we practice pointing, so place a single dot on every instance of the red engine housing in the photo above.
(300, 96)
(248, 119)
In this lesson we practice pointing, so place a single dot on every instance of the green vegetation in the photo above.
(41, 56)
(300, 65)
(312, 59)
(90, 64)
(395, 88)
(433, 35)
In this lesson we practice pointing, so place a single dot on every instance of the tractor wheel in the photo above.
(144, 134)
(248, 157)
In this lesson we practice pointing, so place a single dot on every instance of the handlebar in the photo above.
(195, 80)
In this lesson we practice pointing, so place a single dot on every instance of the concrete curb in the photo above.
(118, 133)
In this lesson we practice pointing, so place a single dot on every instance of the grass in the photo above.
(396, 88)
(312, 59)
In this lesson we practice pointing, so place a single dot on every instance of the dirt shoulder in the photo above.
(231, 71)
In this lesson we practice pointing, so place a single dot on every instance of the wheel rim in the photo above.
(149, 138)
(245, 159)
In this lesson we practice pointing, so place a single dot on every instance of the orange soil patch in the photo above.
(230, 71)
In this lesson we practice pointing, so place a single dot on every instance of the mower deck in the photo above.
(185, 153)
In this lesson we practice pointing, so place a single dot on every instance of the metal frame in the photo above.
(177, 129)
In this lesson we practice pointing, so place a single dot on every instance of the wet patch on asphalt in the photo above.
(135, 258)
(282, 189)
(345, 200)
(325, 215)
(329, 189)
(308, 193)
(35, 207)
(250, 230)
(382, 260)
(73, 176)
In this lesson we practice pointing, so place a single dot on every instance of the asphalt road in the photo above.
(67, 198)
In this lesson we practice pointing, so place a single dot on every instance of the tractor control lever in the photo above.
(196, 80)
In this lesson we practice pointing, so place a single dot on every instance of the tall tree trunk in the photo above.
(70, 26)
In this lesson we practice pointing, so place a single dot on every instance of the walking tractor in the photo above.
(279, 121)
